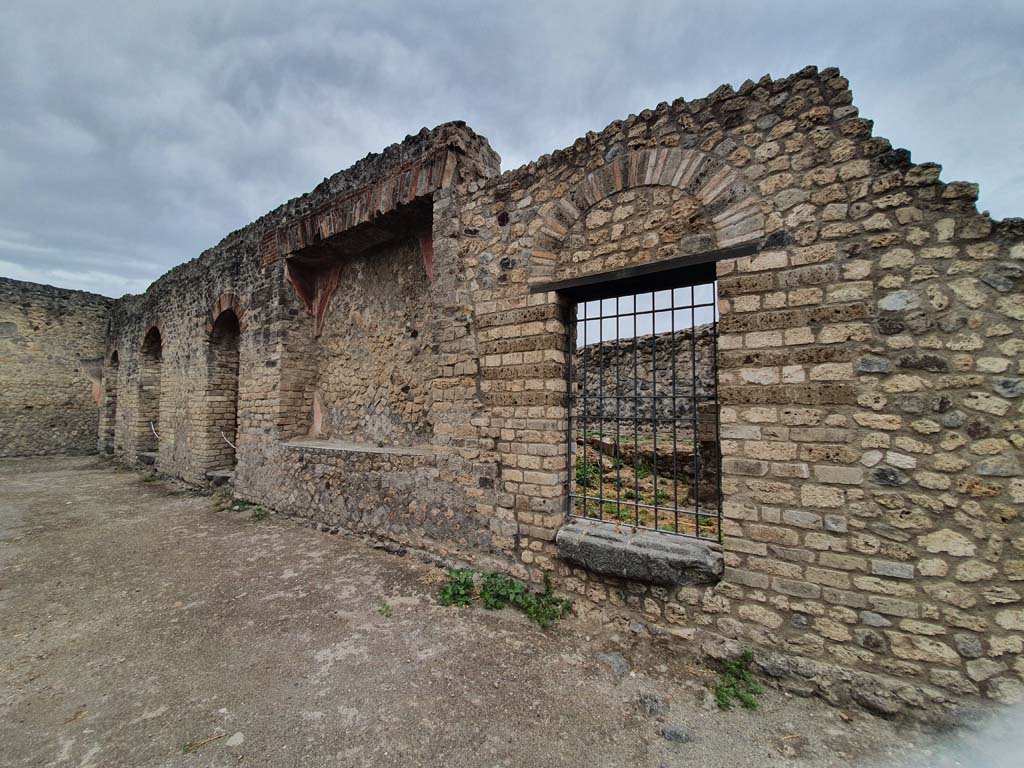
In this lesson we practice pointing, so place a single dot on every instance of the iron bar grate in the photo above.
(643, 436)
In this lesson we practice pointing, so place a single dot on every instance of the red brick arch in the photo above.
(738, 217)
(225, 302)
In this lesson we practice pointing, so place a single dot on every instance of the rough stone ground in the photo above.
(143, 624)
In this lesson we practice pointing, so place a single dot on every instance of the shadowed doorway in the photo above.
(222, 392)
(147, 427)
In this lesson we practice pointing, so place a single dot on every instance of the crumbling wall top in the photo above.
(380, 184)
(451, 153)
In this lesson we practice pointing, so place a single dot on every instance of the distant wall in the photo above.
(619, 380)
(47, 402)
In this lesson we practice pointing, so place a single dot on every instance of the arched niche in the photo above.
(219, 412)
(147, 425)
(110, 384)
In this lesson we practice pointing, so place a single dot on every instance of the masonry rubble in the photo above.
(397, 377)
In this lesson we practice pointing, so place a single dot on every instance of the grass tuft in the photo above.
(736, 683)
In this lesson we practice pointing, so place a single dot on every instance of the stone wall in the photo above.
(665, 377)
(337, 357)
(376, 359)
(402, 373)
(50, 341)
(869, 379)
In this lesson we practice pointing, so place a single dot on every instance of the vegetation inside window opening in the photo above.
(644, 411)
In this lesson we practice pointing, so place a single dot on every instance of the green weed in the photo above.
(587, 474)
(256, 512)
(545, 608)
(458, 590)
(623, 514)
(498, 590)
(737, 683)
(661, 497)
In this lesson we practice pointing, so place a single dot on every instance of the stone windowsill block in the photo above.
(342, 446)
(656, 558)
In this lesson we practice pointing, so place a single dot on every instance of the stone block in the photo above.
(648, 557)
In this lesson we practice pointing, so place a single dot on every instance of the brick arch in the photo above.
(225, 302)
(731, 202)
(159, 326)
(215, 417)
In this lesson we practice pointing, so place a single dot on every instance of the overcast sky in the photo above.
(134, 135)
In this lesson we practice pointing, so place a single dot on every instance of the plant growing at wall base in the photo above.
(458, 590)
(736, 683)
(498, 590)
(544, 608)
(256, 511)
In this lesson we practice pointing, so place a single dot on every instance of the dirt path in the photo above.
(141, 626)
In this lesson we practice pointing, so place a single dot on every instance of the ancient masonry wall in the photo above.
(375, 359)
(402, 373)
(337, 411)
(870, 378)
(666, 376)
(51, 341)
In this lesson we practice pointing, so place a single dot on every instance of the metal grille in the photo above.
(643, 411)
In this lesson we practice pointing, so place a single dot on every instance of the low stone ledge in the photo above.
(655, 558)
(343, 446)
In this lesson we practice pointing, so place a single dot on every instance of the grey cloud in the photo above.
(134, 135)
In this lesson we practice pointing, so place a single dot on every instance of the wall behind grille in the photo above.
(605, 370)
